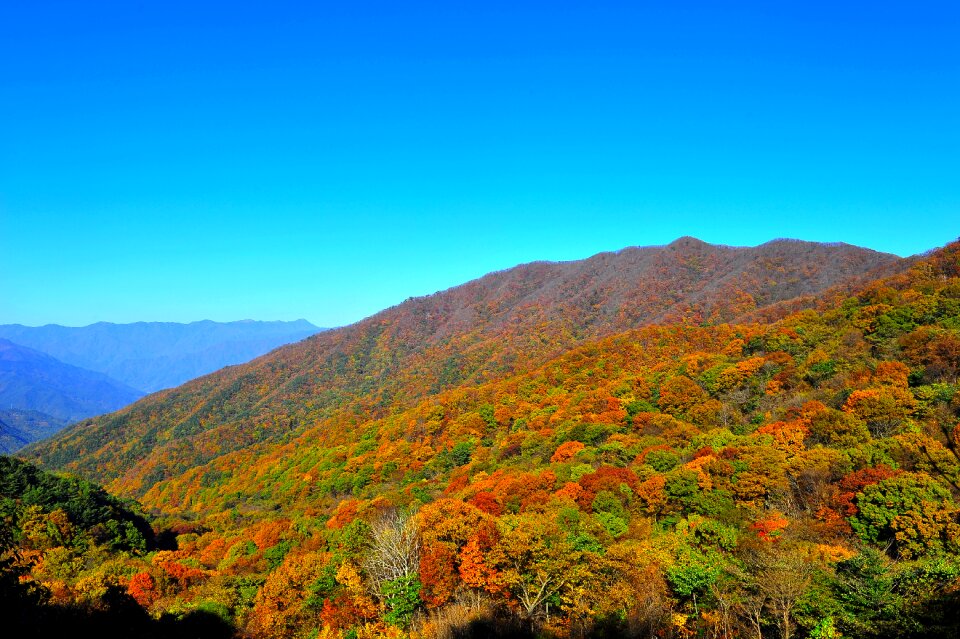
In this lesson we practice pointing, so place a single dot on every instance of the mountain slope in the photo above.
(21, 427)
(154, 355)
(482, 330)
(31, 380)
(799, 477)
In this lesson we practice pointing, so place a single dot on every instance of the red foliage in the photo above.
(143, 588)
(184, 576)
(457, 483)
(605, 478)
(771, 528)
(438, 574)
(339, 613)
(487, 502)
(728, 454)
(706, 451)
(856, 482)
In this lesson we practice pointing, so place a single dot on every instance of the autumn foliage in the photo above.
(793, 476)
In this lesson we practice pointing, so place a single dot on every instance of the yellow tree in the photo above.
(535, 561)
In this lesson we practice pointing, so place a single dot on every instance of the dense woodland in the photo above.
(504, 323)
(794, 476)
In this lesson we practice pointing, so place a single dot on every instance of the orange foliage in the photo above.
(345, 513)
(214, 552)
(788, 436)
(771, 527)
(571, 490)
(891, 374)
(566, 451)
(143, 588)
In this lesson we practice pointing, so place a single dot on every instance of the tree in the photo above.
(782, 575)
(394, 549)
(904, 509)
(679, 394)
(535, 560)
(695, 571)
(883, 409)
(392, 565)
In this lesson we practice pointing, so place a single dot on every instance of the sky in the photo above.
(178, 161)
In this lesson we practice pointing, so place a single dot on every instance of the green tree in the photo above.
(912, 510)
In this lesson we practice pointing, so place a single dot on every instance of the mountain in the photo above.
(20, 427)
(150, 356)
(504, 322)
(34, 381)
(797, 475)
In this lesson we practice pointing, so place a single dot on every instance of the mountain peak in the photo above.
(688, 242)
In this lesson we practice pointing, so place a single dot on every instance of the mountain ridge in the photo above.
(480, 330)
(151, 356)
(19, 427)
(32, 380)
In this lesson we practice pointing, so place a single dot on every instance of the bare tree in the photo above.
(782, 575)
(394, 549)
(750, 606)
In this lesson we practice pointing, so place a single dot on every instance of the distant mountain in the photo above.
(500, 324)
(34, 381)
(21, 427)
(151, 356)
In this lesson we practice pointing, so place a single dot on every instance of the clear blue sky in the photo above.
(189, 160)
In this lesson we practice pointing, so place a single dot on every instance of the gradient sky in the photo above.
(189, 160)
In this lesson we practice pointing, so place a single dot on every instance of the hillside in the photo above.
(21, 427)
(151, 356)
(486, 329)
(798, 478)
(31, 380)
(55, 527)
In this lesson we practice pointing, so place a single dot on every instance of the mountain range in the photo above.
(31, 380)
(151, 356)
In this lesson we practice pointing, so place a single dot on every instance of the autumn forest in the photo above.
(675, 442)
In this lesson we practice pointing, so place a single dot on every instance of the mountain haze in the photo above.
(31, 380)
(20, 427)
(504, 322)
(150, 356)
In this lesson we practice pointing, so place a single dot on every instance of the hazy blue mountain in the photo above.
(31, 380)
(20, 427)
(150, 356)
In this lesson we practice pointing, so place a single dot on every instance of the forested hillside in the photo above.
(53, 530)
(19, 427)
(484, 330)
(798, 478)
